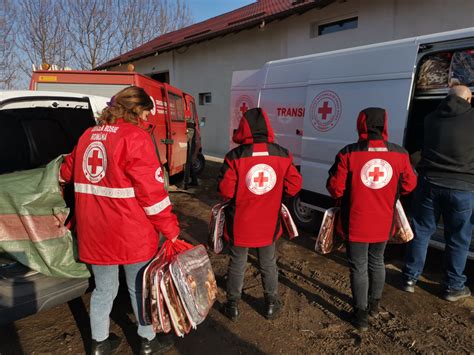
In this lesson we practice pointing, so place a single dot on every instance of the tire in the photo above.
(304, 217)
(199, 164)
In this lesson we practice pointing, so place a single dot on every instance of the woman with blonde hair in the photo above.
(121, 207)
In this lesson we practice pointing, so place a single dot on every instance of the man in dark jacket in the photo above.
(254, 177)
(368, 178)
(445, 188)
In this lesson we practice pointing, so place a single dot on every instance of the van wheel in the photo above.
(199, 163)
(304, 217)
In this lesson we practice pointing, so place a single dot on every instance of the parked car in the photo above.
(35, 128)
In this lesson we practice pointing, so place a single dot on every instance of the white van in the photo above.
(313, 101)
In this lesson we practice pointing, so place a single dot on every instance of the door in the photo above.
(177, 139)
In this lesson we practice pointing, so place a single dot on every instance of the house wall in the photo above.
(208, 66)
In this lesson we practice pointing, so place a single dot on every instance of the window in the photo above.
(205, 98)
(331, 27)
(176, 107)
(163, 77)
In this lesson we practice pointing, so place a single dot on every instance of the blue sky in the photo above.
(204, 9)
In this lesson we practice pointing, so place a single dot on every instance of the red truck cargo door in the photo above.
(158, 118)
(177, 130)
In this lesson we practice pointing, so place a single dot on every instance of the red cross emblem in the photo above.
(94, 161)
(325, 110)
(261, 179)
(376, 174)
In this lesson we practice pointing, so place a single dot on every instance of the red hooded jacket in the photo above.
(121, 201)
(254, 177)
(368, 177)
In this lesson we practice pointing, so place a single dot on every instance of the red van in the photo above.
(172, 107)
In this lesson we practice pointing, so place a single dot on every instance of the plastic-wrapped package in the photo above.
(179, 319)
(216, 227)
(147, 283)
(434, 71)
(402, 229)
(160, 312)
(288, 222)
(194, 279)
(328, 240)
(462, 68)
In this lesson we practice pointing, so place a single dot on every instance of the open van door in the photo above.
(177, 139)
(341, 84)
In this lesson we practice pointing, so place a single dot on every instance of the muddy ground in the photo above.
(316, 295)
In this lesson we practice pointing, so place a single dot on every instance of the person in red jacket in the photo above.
(367, 178)
(121, 206)
(254, 177)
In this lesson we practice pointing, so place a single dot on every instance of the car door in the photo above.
(177, 129)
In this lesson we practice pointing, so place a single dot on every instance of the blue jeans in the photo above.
(106, 288)
(429, 203)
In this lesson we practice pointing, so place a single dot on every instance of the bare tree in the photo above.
(80, 34)
(91, 26)
(143, 20)
(7, 48)
(41, 33)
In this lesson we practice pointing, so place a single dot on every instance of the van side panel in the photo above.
(340, 86)
(244, 95)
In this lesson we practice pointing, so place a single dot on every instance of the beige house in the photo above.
(200, 58)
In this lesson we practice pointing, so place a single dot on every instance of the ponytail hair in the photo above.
(127, 104)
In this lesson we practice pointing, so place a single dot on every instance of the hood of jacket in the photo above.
(254, 127)
(372, 124)
(453, 105)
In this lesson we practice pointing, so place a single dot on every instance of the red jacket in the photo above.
(254, 177)
(121, 202)
(368, 177)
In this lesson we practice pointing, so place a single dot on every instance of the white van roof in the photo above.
(304, 69)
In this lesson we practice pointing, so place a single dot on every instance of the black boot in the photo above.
(272, 309)
(158, 345)
(374, 307)
(106, 346)
(231, 310)
(359, 319)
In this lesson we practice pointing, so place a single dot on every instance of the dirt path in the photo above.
(316, 295)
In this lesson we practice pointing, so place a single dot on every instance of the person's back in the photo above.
(254, 177)
(369, 176)
(447, 157)
(260, 172)
(445, 188)
(367, 179)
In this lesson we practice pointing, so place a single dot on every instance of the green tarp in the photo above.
(32, 215)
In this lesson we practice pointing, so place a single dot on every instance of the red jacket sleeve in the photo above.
(292, 181)
(147, 177)
(227, 180)
(66, 171)
(336, 183)
(408, 178)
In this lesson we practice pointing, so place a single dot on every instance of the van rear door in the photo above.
(177, 130)
(341, 84)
